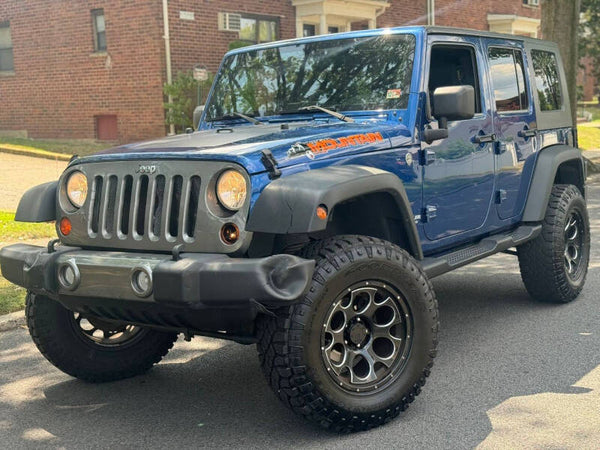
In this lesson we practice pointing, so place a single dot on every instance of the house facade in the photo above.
(95, 69)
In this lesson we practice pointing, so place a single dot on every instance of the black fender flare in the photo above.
(546, 167)
(288, 205)
(38, 204)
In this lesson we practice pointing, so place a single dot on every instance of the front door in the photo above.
(458, 175)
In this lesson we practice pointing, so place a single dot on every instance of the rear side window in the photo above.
(508, 79)
(547, 80)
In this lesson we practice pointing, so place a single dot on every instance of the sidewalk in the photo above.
(20, 173)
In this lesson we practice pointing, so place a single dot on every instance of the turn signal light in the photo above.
(65, 226)
(230, 233)
(322, 212)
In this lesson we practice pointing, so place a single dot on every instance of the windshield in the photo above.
(367, 73)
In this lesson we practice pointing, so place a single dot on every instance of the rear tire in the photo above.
(554, 265)
(120, 351)
(351, 356)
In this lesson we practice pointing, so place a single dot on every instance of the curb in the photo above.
(36, 153)
(12, 321)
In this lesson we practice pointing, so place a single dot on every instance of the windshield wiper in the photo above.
(235, 115)
(335, 114)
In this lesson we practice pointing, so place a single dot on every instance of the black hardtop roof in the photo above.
(489, 34)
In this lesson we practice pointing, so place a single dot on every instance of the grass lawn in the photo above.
(16, 231)
(589, 135)
(12, 298)
(69, 147)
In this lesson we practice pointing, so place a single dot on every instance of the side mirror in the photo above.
(450, 103)
(197, 114)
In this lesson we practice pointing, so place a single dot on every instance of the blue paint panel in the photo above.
(460, 182)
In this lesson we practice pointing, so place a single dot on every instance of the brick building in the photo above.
(95, 68)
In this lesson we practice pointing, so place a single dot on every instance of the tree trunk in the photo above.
(560, 20)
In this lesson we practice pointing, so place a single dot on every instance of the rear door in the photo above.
(514, 123)
(458, 175)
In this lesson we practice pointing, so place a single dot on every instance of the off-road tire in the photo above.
(542, 260)
(51, 327)
(289, 350)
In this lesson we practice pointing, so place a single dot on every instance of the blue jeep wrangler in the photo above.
(329, 180)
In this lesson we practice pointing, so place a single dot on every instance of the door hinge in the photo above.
(501, 196)
(429, 213)
(426, 157)
(500, 147)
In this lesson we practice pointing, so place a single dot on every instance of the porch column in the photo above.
(323, 24)
(372, 23)
(299, 27)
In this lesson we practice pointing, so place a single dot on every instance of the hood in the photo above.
(290, 143)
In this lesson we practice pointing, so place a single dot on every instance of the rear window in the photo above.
(547, 80)
(508, 79)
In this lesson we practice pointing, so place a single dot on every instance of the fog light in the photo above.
(65, 226)
(141, 281)
(68, 275)
(230, 233)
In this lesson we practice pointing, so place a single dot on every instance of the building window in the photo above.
(257, 29)
(333, 30)
(6, 51)
(99, 30)
(508, 79)
(309, 30)
(547, 80)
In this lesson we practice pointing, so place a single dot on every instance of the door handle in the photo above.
(528, 132)
(484, 138)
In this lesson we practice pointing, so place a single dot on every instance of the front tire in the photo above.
(554, 265)
(357, 349)
(89, 348)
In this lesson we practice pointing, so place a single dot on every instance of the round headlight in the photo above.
(77, 188)
(231, 189)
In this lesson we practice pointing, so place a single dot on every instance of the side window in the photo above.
(99, 30)
(547, 80)
(6, 51)
(454, 65)
(508, 79)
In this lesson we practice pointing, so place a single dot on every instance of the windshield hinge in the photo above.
(270, 164)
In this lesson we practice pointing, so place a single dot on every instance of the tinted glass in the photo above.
(507, 79)
(342, 74)
(547, 80)
(523, 95)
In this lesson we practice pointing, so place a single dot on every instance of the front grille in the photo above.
(152, 211)
(145, 206)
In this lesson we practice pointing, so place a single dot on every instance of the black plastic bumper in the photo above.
(195, 281)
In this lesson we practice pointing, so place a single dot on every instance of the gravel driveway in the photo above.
(19, 173)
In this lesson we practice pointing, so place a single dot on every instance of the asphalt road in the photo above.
(501, 355)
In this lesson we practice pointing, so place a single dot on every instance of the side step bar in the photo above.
(438, 265)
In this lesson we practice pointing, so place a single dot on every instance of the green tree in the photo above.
(186, 94)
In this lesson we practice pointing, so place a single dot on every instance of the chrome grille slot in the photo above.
(140, 203)
(192, 206)
(110, 205)
(156, 207)
(96, 200)
(143, 210)
(124, 204)
(175, 205)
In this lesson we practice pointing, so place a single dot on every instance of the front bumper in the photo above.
(103, 283)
